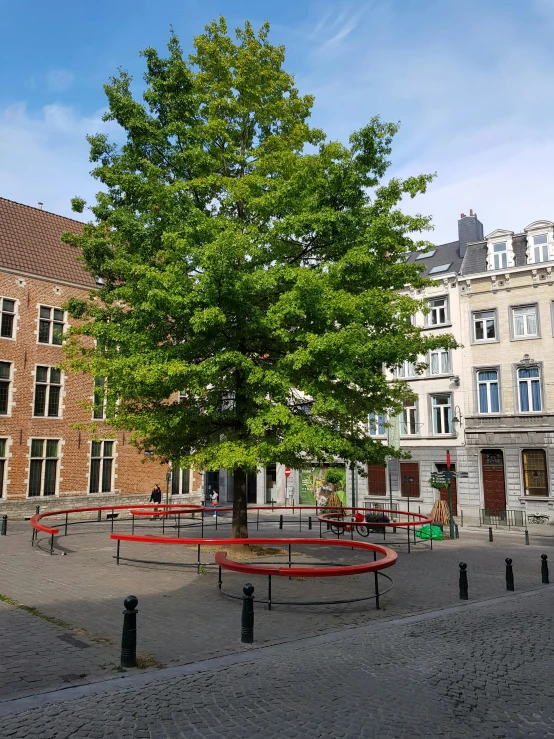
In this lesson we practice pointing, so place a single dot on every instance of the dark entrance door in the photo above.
(444, 492)
(492, 469)
(211, 482)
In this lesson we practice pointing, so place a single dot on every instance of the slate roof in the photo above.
(475, 260)
(30, 243)
(444, 254)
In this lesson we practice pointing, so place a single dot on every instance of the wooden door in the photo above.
(409, 479)
(444, 492)
(376, 479)
(492, 469)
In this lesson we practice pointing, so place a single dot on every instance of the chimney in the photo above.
(40, 205)
(470, 229)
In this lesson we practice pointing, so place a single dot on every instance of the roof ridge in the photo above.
(41, 210)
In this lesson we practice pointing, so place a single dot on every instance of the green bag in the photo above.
(429, 532)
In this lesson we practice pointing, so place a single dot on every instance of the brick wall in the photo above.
(133, 474)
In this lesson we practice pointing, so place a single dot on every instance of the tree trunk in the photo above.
(240, 502)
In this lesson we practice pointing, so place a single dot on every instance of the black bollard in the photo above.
(544, 569)
(247, 619)
(129, 636)
(37, 510)
(281, 521)
(99, 515)
(464, 595)
(4, 529)
(490, 533)
(509, 575)
(526, 536)
(456, 530)
(309, 523)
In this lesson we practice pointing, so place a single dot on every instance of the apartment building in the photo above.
(43, 456)
(507, 321)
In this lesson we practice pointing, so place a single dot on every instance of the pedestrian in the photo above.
(155, 497)
(214, 497)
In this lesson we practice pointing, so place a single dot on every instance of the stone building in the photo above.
(507, 320)
(42, 456)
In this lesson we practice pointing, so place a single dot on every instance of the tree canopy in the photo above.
(253, 270)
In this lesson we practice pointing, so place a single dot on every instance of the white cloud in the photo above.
(44, 158)
(59, 80)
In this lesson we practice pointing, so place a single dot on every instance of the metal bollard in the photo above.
(526, 536)
(544, 569)
(509, 575)
(99, 515)
(247, 619)
(4, 529)
(37, 510)
(490, 533)
(129, 636)
(456, 530)
(464, 595)
(309, 523)
(281, 521)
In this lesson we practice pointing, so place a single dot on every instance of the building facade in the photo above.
(43, 457)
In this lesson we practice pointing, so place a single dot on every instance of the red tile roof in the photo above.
(30, 243)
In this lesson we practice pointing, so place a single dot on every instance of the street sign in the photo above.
(287, 471)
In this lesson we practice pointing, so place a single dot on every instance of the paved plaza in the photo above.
(425, 664)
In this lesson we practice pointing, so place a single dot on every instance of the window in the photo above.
(44, 467)
(103, 404)
(440, 268)
(376, 424)
(406, 369)
(5, 375)
(535, 476)
(499, 256)
(8, 318)
(408, 418)
(48, 385)
(101, 465)
(529, 385)
(484, 326)
(426, 254)
(180, 481)
(3, 444)
(487, 391)
(525, 321)
(50, 327)
(438, 312)
(442, 414)
(439, 363)
(539, 250)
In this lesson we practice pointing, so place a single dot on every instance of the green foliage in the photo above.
(334, 476)
(78, 204)
(247, 259)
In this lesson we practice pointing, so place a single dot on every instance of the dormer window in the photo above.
(499, 255)
(540, 242)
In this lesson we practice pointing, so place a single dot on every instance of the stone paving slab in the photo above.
(477, 670)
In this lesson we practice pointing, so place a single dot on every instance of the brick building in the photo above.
(42, 456)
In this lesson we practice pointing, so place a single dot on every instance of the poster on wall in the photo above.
(318, 484)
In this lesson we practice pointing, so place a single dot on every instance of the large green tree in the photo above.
(248, 261)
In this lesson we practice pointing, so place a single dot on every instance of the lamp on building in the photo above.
(457, 417)
(455, 379)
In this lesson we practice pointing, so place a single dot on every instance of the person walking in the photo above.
(214, 497)
(155, 497)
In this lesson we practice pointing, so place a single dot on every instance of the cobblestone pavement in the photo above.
(476, 670)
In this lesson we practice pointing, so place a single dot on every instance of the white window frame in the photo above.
(527, 381)
(44, 459)
(51, 321)
(488, 384)
(179, 471)
(526, 335)
(9, 383)
(435, 312)
(4, 465)
(406, 369)
(409, 425)
(373, 424)
(48, 384)
(101, 459)
(483, 316)
(3, 312)
(445, 415)
(440, 356)
(545, 251)
(495, 239)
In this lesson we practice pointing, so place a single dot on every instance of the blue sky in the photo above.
(470, 82)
